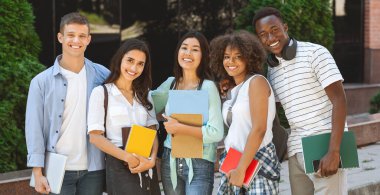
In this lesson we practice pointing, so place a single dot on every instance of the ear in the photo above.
(88, 39)
(60, 37)
(286, 27)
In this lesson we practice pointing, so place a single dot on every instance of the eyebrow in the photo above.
(134, 59)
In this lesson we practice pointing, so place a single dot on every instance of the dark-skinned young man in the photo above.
(308, 84)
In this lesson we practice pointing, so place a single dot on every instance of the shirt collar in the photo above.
(57, 68)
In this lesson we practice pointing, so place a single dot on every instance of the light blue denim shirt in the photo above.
(44, 109)
(212, 131)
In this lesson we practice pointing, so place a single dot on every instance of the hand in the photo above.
(131, 160)
(329, 164)
(144, 165)
(236, 177)
(41, 183)
(171, 125)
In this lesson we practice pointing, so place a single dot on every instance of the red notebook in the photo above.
(231, 162)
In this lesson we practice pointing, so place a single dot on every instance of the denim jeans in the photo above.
(83, 183)
(202, 182)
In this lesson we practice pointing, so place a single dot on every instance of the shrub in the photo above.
(19, 46)
(375, 104)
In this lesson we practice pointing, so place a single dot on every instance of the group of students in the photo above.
(66, 112)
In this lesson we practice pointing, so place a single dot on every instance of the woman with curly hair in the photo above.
(249, 112)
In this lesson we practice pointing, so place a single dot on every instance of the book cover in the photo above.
(316, 146)
(188, 102)
(186, 146)
(54, 171)
(140, 140)
(231, 162)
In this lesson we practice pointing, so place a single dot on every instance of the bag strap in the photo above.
(229, 113)
(105, 108)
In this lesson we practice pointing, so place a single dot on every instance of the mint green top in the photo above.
(212, 131)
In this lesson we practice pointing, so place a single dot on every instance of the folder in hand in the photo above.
(54, 171)
(140, 140)
(231, 162)
(188, 102)
(316, 146)
(186, 146)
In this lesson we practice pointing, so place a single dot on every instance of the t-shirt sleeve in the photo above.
(95, 117)
(324, 66)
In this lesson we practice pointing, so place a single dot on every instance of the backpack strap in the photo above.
(105, 108)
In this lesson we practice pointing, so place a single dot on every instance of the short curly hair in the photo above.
(264, 12)
(251, 50)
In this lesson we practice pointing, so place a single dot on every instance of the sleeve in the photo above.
(95, 116)
(34, 125)
(214, 129)
(152, 114)
(161, 94)
(324, 67)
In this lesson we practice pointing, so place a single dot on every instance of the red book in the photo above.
(231, 162)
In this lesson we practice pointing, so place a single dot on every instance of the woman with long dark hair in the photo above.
(191, 72)
(128, 103)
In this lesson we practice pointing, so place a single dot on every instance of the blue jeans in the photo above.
(201, 184)
(83, 183)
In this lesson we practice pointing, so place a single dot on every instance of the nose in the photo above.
(270, 37)
(134, 67)
(76, 39)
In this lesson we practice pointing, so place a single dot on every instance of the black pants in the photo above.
(121, 181)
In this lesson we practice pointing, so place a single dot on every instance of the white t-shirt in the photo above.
(72, 135)
(241, 118)
(299, 84)
(120, 113)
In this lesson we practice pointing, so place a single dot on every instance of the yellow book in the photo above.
(186, 146)
(140, 140)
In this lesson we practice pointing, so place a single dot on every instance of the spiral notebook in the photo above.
(54, 171)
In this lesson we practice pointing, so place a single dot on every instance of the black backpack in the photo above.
(280, 138)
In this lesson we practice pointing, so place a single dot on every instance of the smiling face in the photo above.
(132, 65)
(273, 34)
(234, 64)
(190, 54)
(74, 39)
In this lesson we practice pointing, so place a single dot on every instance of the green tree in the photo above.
(19, 48)
(308, 20)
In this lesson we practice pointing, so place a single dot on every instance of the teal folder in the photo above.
(316, 146)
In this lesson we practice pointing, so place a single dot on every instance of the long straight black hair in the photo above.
(142, 84)
(203, 71)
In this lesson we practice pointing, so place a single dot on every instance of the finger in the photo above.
(46, 186)
(165, 117)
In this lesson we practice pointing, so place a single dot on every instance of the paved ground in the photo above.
(368, 173)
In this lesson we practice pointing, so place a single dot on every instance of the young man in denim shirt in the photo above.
(56, 113)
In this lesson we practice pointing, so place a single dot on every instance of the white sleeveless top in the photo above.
(241, 117)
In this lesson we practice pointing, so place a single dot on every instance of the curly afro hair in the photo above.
(252, 52)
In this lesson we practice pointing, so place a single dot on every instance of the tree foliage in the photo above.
(308, 20)
(19, 48)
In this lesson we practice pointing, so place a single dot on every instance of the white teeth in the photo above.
(131, 73)
(187, 60)
(274, 44)
(232, 67)
(75, 47)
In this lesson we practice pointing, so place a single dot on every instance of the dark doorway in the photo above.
(348, 47)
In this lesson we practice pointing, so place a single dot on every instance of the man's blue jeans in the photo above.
(201, 184)
(83, 183)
